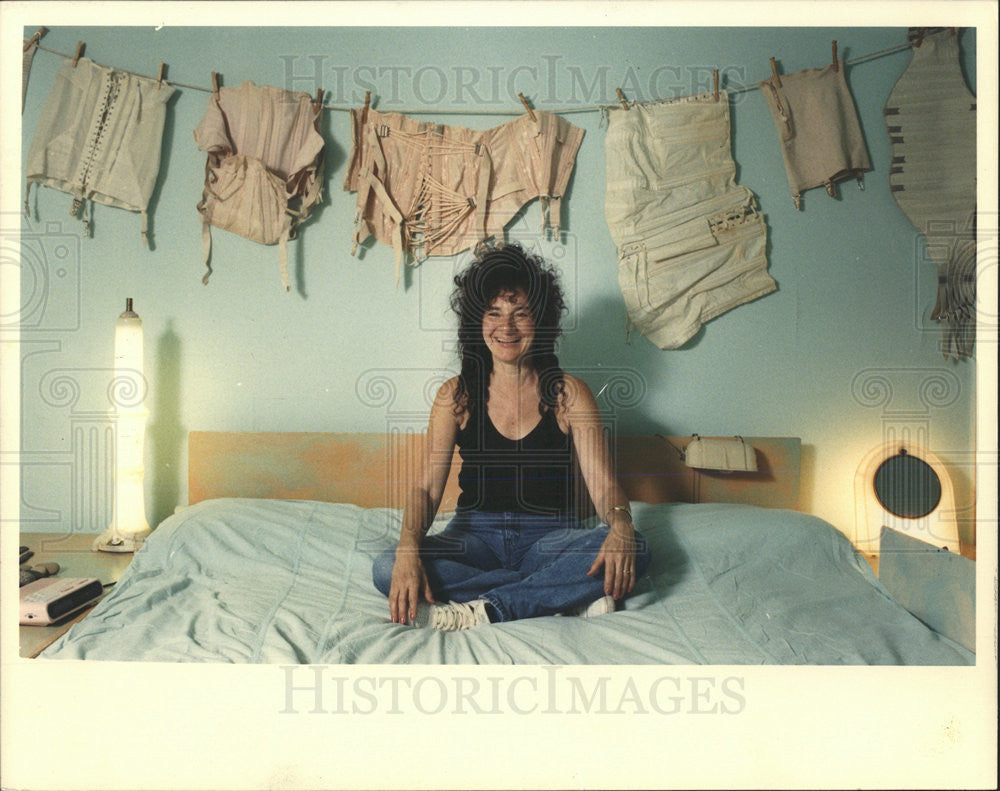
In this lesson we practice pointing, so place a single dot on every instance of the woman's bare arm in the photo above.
(617, 554)
(409, 579)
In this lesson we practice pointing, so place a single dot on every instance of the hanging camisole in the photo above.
(533, 474)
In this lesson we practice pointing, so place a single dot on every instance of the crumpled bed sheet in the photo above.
(266, 581)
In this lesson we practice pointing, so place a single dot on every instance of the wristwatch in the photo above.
(623, 508)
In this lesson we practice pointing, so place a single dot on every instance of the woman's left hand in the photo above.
(617, 555)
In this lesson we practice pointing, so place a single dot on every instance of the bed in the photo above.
(271, 563)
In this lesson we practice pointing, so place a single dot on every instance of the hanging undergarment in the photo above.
(99, 137)
(691, 242)
(821, 139)
(429, 189)
(264, 171)
(30, 46)
(931, 119)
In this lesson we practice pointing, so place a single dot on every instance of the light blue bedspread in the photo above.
(290, 582)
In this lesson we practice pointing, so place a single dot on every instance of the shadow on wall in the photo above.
(807, 478)
(166, 434)
(166, 150)
(625, 378)
(334, 157)
(963, 478)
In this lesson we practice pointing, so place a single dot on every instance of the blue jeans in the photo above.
(523, 565)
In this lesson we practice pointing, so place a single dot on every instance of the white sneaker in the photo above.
(453, 616)
(601, 606)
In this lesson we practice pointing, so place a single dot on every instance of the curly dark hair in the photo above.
(495, 271)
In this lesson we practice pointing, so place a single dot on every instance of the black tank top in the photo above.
(531, 475)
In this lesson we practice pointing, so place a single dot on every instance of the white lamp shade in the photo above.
(128, 385)
(129, 527)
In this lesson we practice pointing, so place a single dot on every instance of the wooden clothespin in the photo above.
(319, 98)
(621, 98)
(159, 75)
(920, 37)
(215, 83)
(79, 52)
(34, 39)
(715, 83)
(774, 71)
(836, 63)
(364, 112)
(527, 106)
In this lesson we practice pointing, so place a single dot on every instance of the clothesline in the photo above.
(441, 111)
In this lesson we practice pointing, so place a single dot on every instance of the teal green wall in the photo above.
(842, 353)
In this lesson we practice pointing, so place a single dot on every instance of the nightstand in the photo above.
(76, 559)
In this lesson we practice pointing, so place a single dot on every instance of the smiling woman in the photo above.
(509, 327)
(516, 547)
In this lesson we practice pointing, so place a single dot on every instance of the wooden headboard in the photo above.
(372, 470)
